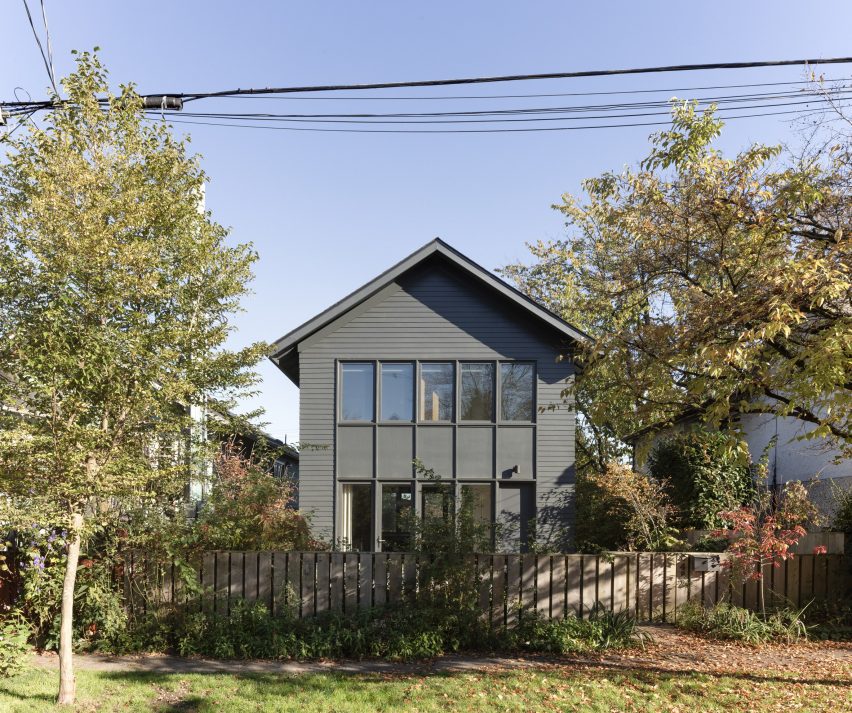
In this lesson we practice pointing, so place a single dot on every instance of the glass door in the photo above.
(397, 511)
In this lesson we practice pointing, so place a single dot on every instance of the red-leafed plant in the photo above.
(763, 533)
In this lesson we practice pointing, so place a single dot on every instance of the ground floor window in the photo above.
(380, 516)
(479, 497)
(437, 501)
(357, 519)
(397, 509)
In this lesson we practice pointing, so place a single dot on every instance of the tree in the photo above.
(703, 475)
(716, 285)
(762, 533)
(115, 295)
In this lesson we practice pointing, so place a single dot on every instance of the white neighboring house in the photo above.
(789, 457)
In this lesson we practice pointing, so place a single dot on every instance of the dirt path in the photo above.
(671, 650)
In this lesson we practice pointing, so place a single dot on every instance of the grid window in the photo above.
(397, 392)
(477, 392)
(516, 391)
(437, 391)
(358, 393)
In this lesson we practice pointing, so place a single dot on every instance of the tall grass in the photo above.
(726, 621)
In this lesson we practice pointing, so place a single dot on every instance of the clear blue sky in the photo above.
(329, 211)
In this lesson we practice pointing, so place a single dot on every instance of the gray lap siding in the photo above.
(433, 314)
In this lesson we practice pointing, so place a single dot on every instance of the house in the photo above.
(789, 457)
(439, 361)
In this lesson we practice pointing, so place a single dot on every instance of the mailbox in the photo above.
(706, 563)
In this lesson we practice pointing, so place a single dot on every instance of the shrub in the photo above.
(703, 475)
(619, 508)
(842, 521)
(14, 644)
(251, 509)
(726, 621)
(602, 630)
(394, 632)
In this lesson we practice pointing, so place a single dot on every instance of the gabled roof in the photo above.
(283, 349)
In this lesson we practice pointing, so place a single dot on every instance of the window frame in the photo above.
(417, 393)
(379, 416)
(355, 421)
(499, 396)
(454, 401)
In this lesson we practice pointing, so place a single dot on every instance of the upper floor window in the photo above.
(397, 392)
(357, 392)
(516, 391)
(477, 392)
(437, 391)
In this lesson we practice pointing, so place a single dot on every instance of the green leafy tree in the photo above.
(721, 285)
(115, 296)
(703, 475)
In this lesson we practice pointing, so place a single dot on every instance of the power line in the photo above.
(750, 101)
(190, 96)
(802, 112)
(426, 97)
(48, 65)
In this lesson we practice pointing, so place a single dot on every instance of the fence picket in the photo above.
(309, 587)
(294, 582)
(498, 591)
(278, 565)
(335, 582)
(409, 576)
(251, 583)
(350, 583)
(394, 577)
(380, 578)
(590, 584)
(208, 584)
(603, 589)
(365, 580)
(483, 569)
(513, 597)
(264, 579)
(620, 583)
(557, 587)
(527, 582)
(574, 584)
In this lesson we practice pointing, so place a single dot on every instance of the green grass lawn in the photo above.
(546, 689)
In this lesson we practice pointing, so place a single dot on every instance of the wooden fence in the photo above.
(652, 586)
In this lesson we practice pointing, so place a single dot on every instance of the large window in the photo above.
(357, 509)
(516, 391)
(437, 503)
(397, 392)
(437, 391)
(396, 518)
(477, 392)
(478, 497)
(357, 392)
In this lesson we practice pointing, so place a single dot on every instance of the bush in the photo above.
(726, 621)
(602, 630)
(251, 509)
(842, 521)
(703, 475)
(619, 508)
(14, 644)
(396, 632)
(830, 620)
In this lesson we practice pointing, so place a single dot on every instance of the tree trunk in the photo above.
(67, 685)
